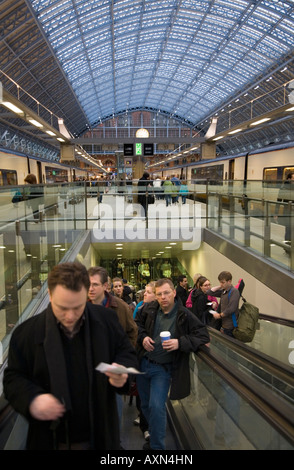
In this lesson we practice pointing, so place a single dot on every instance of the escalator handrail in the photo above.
(273, 409)
(275, 367)
(278, 320)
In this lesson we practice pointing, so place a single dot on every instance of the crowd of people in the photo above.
(51, 377)
(171, 189)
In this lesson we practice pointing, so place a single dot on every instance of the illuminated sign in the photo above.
(138, 149)
(142, 133)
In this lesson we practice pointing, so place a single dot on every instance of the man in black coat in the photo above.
(182, 288)
(51, 377)
(143, 184)
(165, 364)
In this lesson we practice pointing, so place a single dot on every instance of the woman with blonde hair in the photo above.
(148, 296)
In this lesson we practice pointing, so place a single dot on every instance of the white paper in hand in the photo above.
(104, 367)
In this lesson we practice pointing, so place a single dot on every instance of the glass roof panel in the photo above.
(155, 53)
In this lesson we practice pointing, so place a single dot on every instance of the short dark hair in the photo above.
(163, 281)
(225, 276)
(181, 277)
(98, 270)
(71, 275)
(31, 179)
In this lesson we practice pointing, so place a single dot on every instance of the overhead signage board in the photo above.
(148, 149)
(128, 150)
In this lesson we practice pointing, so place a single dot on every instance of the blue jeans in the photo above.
(227, 331)
(153, 387)
(167, 199)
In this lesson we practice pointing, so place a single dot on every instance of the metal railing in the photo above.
(240, 400)
(36, 234)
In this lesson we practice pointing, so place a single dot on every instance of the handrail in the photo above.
(274, 410)
(266, 210)
(270, 364)
(279, 320)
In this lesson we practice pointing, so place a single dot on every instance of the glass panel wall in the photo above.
(221, 418)
(37, 228)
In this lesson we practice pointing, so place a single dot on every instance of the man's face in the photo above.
(68, 306)
(226, 285)
(96, 291)
(165, 296)
(117, 288)
(184, 283)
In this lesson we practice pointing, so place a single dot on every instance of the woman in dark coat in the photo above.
(200, 303)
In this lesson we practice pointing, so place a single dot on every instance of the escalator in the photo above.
(240, 399)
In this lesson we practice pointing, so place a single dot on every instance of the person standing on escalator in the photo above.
(165, 365)
(229, 303)
(51, 377)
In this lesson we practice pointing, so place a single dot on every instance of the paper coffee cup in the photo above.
(164, 335)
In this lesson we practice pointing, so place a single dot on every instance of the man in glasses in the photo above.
(165, 364)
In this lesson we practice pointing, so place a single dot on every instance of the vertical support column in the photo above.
(138, 167)
(291, 222)
(10, 280)
(220, 211)
(138, 170)
(266, 233)
(120, 164)
(232, 216)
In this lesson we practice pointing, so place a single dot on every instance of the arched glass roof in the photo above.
(182, 57)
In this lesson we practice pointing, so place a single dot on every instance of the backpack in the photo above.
(247, 322)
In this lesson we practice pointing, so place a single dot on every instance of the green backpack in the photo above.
(247, 322)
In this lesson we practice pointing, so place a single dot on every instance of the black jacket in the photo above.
(36, 365)
(200, 307)
(191, 334)
(182, 293)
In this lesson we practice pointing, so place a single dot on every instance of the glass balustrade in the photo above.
(37, 233)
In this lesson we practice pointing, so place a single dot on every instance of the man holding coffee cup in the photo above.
(167, 333)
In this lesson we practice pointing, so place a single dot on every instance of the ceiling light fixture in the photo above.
(35, 123)
(235, 131)
(12, 107)
(260, 121)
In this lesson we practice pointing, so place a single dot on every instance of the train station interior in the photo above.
(95, 93)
